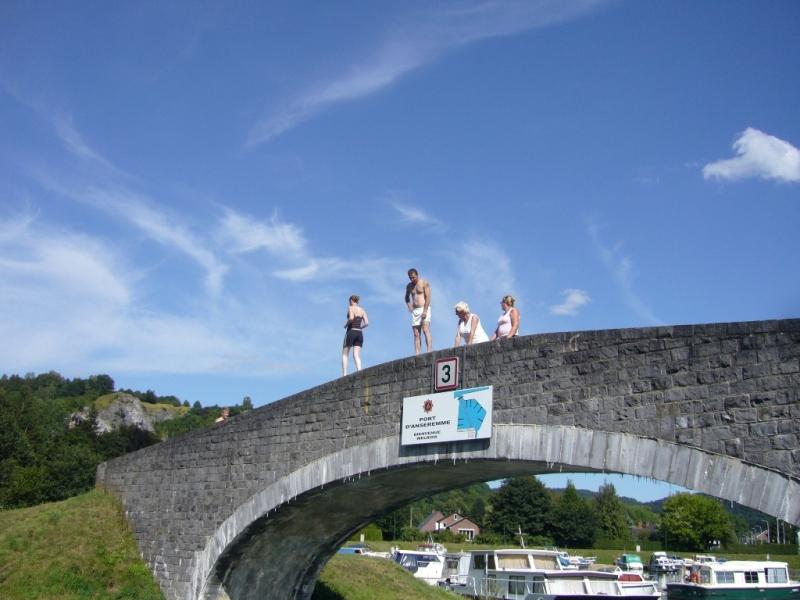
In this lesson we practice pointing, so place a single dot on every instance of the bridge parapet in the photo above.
(728, 390)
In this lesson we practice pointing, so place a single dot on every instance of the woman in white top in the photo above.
(508, 323)
(469, 326)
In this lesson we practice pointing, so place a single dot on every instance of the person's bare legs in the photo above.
(417, 342)
(426, 329)
(357, 357)
(345, 351)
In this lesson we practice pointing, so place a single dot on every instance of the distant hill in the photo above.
(745, 518)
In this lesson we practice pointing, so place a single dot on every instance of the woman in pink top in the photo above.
(508, 323)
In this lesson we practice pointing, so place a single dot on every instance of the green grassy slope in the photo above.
(82, 548)
(75, 549)
(368, 578)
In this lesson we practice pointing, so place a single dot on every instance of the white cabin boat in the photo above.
(737, 580)
(426, 562)
(630, 562)
(530, 574)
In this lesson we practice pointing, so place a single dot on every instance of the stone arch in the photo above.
(279, 540)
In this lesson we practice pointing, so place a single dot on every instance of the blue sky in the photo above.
(189, 192)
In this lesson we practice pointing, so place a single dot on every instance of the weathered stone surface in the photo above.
(711, 407)
(126, 411)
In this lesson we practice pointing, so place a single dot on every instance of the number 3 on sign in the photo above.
(445, 374)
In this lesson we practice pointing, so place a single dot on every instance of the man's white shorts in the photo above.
(416, 316)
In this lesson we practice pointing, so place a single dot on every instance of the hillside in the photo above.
(74, 549)
(81, 548)
(366, 578)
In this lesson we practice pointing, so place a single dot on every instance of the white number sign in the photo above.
(445, 374)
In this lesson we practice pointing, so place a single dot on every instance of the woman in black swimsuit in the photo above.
(354, 338)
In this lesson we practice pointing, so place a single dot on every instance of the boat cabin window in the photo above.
(776, 575)
(478, 561)
(545, 562)
(538, 585)
(490, 564)
(494, 588)
(516, 585)
(566, 586)
(512, 561)
(751, 576)
(725, 577)
(705, 576)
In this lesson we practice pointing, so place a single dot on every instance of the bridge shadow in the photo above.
(323, 592)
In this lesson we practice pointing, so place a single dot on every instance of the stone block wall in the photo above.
(731, 389)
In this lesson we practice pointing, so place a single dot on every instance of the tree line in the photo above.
(524, 507)
(44, 457)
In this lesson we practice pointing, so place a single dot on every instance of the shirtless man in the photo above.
(418, 300)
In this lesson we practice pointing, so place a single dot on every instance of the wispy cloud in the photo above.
(63, 126)
(294, 261)
(60, 289)
(758, 155)
(74, 142)
(620, 266)
(159, 225)
(57, 290)
(413, 215)
(420, 40)
(574, 299)
(245, 234)
(484, 271)
(112, 190)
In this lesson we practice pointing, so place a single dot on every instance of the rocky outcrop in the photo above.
(126, 410)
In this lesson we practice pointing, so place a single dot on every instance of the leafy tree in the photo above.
(101, 384)
(489, 538)
(693, 522)
(640, 514)
(572, 520)
(247, 403)
(462, 500)
(520, 503)
(411, 534)
(44, 456)
(477, 513)
(610, 514)
(449, 537)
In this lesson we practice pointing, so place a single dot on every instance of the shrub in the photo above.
(411, 534)
(489, 538)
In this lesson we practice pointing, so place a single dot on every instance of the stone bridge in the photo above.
(254, 507)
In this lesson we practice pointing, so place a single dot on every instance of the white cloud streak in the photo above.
(620, 267)
(413, 45)
(159, 226)
(67, 301)
(412, 215)
(574, 299)
(758, 155)
(294, 261)
(244, 234)
(73, 141)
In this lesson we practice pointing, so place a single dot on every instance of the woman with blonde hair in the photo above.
(354, 338)
(508, 323)
(469, 326)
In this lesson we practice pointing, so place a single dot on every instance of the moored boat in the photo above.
(737, 580)
(630, 562)
(426, 563)
(531, 574)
